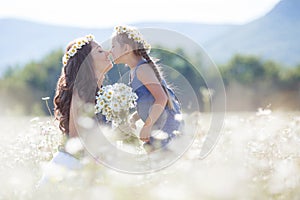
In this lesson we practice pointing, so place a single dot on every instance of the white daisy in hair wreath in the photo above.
(133, 34)
(79, 43)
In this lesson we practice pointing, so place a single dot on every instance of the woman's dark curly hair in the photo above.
(78, 75)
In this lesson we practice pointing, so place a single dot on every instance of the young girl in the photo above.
(157, 104)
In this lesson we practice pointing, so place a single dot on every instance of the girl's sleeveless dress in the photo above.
(167, 121)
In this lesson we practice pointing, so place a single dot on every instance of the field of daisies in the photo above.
(256, 157)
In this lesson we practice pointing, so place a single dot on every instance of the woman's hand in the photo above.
(132, 123)
(133, 119)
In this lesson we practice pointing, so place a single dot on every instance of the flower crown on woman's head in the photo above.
(79, 43)
(133, 34)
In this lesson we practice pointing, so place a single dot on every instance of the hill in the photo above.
(274, 36)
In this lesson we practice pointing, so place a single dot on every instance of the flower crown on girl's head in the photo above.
(79, 43)
(133, 34)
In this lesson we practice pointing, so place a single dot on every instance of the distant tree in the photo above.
(24, 87)
(247, 78)
(244, 69)
(181, 65)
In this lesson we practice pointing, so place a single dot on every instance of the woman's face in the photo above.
(117, 51)
(102, 63)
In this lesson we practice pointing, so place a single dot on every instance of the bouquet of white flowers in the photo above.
(114, 102)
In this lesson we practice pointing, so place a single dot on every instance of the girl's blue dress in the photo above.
(167, 121)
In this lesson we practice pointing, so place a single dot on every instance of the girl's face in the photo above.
(102, 63)
(118, 51)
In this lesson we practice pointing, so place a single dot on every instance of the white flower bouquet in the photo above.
(114, 102)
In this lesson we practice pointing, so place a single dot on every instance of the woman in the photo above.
(157, 104)
(85, 64)
(82, 74)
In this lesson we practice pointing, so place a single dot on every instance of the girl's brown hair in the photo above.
(139, 50)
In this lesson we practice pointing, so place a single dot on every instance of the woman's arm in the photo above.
(100, 80)
(73, 116)
(133, 119)
(147, 76)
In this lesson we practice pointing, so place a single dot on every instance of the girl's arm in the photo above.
(147, 76)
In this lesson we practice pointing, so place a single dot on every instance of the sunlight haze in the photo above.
(100, 14)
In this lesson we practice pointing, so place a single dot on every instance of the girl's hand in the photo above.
(145, 133)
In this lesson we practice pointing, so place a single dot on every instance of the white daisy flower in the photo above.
(80, 43)
(100, 91)
(101, 104)
(72, 51)
(90, 37)
(115, 106)
(118, 99)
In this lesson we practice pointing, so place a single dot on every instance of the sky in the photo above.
(108, 13)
